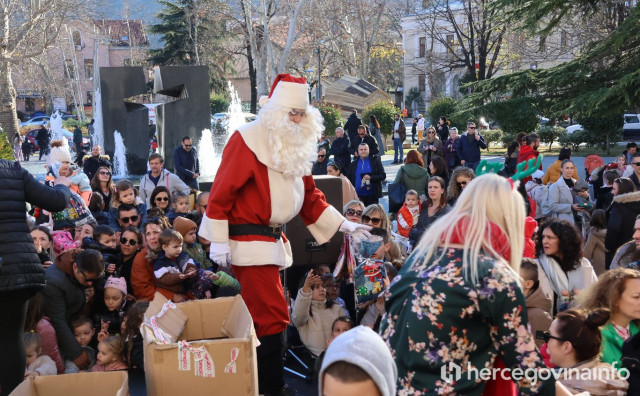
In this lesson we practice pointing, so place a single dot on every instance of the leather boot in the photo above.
(271, 364)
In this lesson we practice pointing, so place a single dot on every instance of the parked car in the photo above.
(36, 121)
(31, 136)
(630, 128)
(69, 117)
(573, 128)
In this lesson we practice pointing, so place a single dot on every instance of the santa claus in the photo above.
(263, 182)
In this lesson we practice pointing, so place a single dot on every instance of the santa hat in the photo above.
(184, 225)
(290, 92)
(117, 283)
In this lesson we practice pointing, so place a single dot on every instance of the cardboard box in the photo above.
(215, 352)
(97, 384)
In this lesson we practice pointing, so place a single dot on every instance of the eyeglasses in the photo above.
(294, 113)
(372, 220)
(130, 242)
(105, 173)
(351, 212)
(546, 336)
(162, 198)
(430, 133)
(131, 219)
(89, 280)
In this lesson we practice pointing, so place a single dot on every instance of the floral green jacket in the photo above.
(436, 317)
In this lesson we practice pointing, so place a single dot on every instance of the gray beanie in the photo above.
(364, 348)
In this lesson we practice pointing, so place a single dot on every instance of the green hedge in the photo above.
(492, 136)
(332, 117)
(384, 112)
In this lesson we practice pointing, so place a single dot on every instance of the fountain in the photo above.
(119, 157)
(98, 125)
(56, 128)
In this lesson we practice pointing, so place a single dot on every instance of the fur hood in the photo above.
(102, 156)
(628, 197)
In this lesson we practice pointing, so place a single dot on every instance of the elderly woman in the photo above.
(460, 178)
(458, 301)
(430, 147)
(563, 271)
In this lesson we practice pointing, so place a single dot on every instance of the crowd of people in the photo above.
(520, 269)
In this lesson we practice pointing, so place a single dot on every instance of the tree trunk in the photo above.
(8, 114)
(252, 80)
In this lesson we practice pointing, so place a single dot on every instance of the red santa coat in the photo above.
(250, 189)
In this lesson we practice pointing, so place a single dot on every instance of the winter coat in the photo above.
(43, 365)
(185, 163)
(428, 155)
(553, 279)
(593, 249)
(625, 255)
(21, 267)
(405, 219)
(469, 151)
(631, 361)
(538, 307)
(143, 281)
(530, 225)
(49, 342)
(612, 343)
(197, 253)
(64, 298)
(510, 164)
(624, 210)
(351, 126)
(167, 179)
(450, 156)
(424, 222)
(604, 379)
(414, 177)
(91, 164)
(402, 130)
(526, 153)
(443, 132)
(113, 213)
(554, 172)
(319, 168)
(341, 152)
(314, 328)
(375, 132)
(561, 201)
(378, 174)
(369, 140)
(348, 191)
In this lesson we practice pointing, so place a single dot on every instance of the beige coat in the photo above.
(315, 329)
(593, 249)
(348, 192)
(603, 379)
(538, 307)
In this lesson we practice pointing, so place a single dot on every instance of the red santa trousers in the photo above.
(262, 292)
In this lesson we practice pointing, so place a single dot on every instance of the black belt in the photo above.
(255, 229)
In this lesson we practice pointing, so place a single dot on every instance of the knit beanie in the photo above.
(364, 348)
(116, 283)
(183, 225)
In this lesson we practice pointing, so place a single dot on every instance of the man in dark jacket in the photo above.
(635, 176)
(363, 137)
(468, 147)
(43, 139)
(65, 297)
(186, 164)
(21, 273)
(340, 150)
(77, 139)
(91, 164)
(352, 124)
(399, 135)
(366, 173)
(620, 228)
(319, 167)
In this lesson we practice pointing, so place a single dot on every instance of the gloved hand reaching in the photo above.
(219, 253)
(359, 232)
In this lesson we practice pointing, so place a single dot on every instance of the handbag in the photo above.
(397, 191)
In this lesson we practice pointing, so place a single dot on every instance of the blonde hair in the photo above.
(487, 199)
(385, 224)
(606, 292)
(351, 204)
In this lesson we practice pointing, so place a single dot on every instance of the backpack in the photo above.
(543, 202)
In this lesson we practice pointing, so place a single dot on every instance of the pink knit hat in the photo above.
(117, 283)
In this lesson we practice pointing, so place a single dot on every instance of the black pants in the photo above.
(13, 309)
(270, 364)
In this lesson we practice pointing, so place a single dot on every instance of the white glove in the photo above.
(219, 253)
(359, 232)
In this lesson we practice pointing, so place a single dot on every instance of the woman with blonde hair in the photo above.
(430, 147)
(460, 178)
(617, 290)
(457, 300)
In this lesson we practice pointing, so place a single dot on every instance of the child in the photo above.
(530, 227)
(358, 362)
(27, 149)
(96, 206)
(538, 303)
(83, 231)
(115, 306)
(583, 217)
(37, 322)
(37, 362)
(339, 326)
(179, 205)
(79, 181)
(43, 240)
(83, 330)
(104, 241)
(187, 229)
(176, 271)
(409, 213)
(594, 247)
(313, 315)
(133, 347)
(333, 291)
(110, 355)
(125, 194)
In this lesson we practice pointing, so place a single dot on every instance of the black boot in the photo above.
(271, 365)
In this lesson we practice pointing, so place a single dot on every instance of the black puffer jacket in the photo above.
(21, 267)
(624, 210)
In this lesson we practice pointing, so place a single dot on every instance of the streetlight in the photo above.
(308, 73)
(319, 87)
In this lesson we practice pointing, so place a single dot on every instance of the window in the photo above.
(76, 39)
(422, 43)
(564, 38)
(69, 71)
(89, 98)
(450, 43)
(88, 68)
(422, 82)
(127, 62)
(439, 81)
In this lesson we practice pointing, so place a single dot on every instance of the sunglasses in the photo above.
(372, 220)
(321, 155)
(130, 242)
(546, 336)
(636, 163)
(351, 212)
(131, 219)
(462, 184)
(294, 113)
(471, 127)
(162, 198)
(105, 173)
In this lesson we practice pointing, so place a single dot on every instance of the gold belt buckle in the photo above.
(276, 229)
